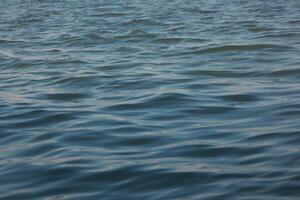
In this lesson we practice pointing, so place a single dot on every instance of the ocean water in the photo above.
(154, 100)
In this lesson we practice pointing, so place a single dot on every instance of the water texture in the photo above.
(181, 99)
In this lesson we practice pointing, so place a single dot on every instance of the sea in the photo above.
(150, 100)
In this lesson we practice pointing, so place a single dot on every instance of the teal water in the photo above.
(180, 99)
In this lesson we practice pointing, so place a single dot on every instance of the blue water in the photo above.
(154, 100)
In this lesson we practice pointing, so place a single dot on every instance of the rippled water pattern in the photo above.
(181, 99)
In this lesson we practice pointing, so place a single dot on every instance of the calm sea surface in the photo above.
(153, 100)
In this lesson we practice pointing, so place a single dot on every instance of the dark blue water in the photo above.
(181, 99)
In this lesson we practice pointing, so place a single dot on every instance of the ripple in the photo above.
(153, 102)
(249, 47)
(65, 96)
(286, 73)
(240, 97)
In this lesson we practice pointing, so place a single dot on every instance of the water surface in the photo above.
(181, 99)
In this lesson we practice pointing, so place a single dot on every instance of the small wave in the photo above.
(141, 22)
(221, 73)
(210, 110)
(169, 40)
(240, 98)
(214, 151)
(12, 41)
(65, 96)
(158, 101)
(250, 47)
(136, 34)
(295, 72)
